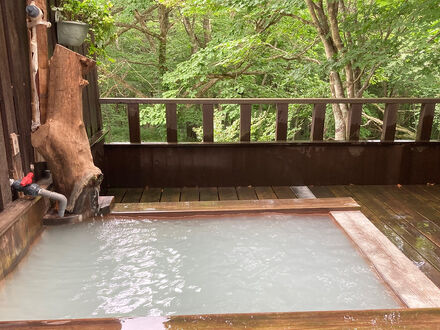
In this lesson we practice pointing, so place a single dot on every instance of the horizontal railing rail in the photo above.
(423, 133)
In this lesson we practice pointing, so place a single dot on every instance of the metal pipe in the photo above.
(34, 190)
(56, 196)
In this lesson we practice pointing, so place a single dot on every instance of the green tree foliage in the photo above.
(272, 48)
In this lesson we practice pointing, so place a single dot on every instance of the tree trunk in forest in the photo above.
(329, 35)
(164, 25)
(63, 140)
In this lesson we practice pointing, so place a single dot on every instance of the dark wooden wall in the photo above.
(15, 93)
(267, 164)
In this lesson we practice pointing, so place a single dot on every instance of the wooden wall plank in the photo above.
(354, 122)
(271, 164)
(14, 26)
(245, 122)
(43, 60)
(5, 190)
(389, 122)
(133, 123)
(208, 122)
(425, 122)
(171, 118)
(318, 119)
(281, 126)
(6, 89)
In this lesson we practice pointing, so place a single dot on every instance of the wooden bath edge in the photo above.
(360, 319)
(407, 282)
(305, 205)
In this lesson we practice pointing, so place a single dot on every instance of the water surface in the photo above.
(276, 263)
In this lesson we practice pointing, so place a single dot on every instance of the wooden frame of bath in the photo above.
(410, 286)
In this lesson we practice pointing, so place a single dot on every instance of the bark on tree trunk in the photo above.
(63, 140)
(164, 25)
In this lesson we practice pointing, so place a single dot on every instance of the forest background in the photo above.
(270, 49)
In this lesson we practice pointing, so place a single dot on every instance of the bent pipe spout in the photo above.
(55, 196)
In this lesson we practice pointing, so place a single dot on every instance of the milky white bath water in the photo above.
(246, 264)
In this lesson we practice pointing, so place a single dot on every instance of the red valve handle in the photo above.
(27, 179)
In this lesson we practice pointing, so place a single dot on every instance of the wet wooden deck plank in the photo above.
(412, 209)
(215, 207)
(422, 200)
(265, 193)
(208, 193)
(227, 193)
(189, 194)
(118, 193)
(302, 192)
(283, 192)
(246, 193)
(321, 191)
(415, 289)
(170, 195)
(132, 195)
(368, 198)
(366, 208)
(425, 318)
(151, 195)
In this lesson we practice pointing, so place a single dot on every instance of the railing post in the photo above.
(133, 123)
(354, 121)
(245, 122)
(171, 119)
(425, 122)
(282, 114)
(389, 122)
(318, 119)
(208, 122)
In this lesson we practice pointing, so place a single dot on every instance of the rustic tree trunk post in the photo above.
(62, 139)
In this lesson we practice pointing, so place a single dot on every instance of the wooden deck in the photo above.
(408, 215)
(148, 195)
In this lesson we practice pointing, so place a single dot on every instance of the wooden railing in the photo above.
(318, 118)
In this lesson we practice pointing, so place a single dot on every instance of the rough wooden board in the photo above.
(265, 193)
(295, 205)
(302, 192)
(246, 193)
(405, 279)
(151, 195)
(133, 195)
(189, 194)
(283, 192)
(227, 193)
(208, 194)
(360, 319)
(170, 195)
(117, 192)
